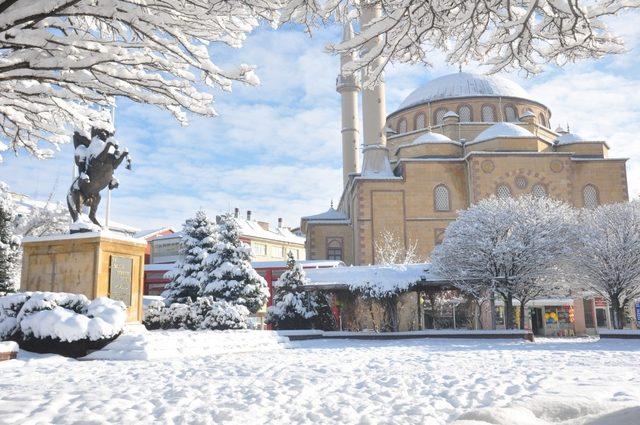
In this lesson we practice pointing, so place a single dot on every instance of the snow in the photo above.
(106, 234)
(566, 138)
(464, 84)
(8, 347)
(383, 277)
(502, 129)
(193, 379)
(137, 343)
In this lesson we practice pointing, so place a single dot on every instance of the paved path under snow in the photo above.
(332, 381)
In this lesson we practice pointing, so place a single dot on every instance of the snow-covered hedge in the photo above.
(60, 317)
(204, 313)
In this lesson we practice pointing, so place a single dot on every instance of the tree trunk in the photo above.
(618, 313)
(508, 312)
(492, 307)
(522, 314)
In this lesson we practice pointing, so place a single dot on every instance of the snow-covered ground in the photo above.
(338, 381)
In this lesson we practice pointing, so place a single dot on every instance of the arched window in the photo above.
(464, 112)
(503, 191)
(488, 113)
(441, 201)
(538, 190)
(438, 116)
(510, 113)
(590, 196)
(543, 121)
(420, 121)
(402, 126)
(334, 249)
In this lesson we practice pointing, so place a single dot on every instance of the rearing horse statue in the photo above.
(96, 159)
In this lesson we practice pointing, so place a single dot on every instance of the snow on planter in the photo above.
(8, 350)
(58, 322)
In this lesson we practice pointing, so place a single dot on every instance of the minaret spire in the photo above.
(348, 87)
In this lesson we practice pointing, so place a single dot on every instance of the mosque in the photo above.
(454, 141)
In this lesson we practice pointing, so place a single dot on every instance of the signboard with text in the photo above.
(121, 279)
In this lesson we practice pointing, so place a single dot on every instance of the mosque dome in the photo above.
(503, 129)
(430, 137)
(464, 84)
(566, 138)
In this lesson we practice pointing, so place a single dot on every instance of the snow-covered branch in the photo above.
(63, 62)
(503, 34)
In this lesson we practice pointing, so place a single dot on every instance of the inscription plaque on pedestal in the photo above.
(121, 279)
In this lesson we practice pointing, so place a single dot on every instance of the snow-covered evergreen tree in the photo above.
(293, 308)
(9, 243)
(229, 274)
(188, 275)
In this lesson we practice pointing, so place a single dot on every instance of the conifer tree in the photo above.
(188, 276)
(9, 243)
(293, 308)
(229, 273)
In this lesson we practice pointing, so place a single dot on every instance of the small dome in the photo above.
(430, 137)
(451, 114)
(502, 129)
(464, 84)
(566, 138)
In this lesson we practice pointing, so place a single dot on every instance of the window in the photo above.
(464, 112)
(503, 191)
(590, 196)
(277, 251)
(402, 126)
(521, 182)
(334, 250)
(259, 249)
(420, 121)
(441, 198)
(510, 113)
(538, 190)
(488, 113)
(439, 116)
(543, 121)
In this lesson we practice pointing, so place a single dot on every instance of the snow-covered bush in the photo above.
(9, 243)
(188, 276)
(59, 317)
(204, 313)
(229, 273)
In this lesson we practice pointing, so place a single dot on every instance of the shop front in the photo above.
(544, 317)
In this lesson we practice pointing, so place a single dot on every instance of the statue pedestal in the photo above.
(95, 264)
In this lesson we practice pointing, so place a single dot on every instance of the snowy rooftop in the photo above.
(150, 232)
(330, 214)
(464, 84)
(380, 276)
(253, 229)
(502, 129)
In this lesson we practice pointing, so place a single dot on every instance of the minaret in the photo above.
(375, 153)
(348, 87)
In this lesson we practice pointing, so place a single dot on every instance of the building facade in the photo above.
(456, 140)
(267, 245)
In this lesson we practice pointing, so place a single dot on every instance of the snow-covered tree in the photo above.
(514, 247)
(293, 307)
(229, 274)
(63, 62)
(607, 255)
(390, 249)
(525, 34)
(9, 243)
(188, 277)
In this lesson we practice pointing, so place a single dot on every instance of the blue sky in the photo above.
(276, 149)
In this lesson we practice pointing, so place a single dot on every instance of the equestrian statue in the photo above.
(96, 159)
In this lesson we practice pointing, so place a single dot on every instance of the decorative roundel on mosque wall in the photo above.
(487, 166)
(556, 166)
